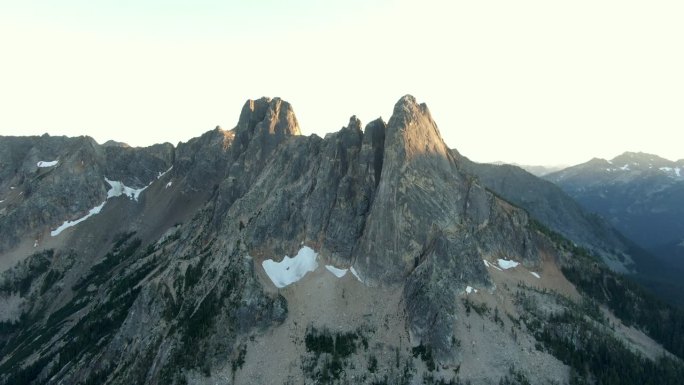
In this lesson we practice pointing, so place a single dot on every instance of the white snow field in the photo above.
(119, 189)
(506, 264)
(291, 270)
(490, 265)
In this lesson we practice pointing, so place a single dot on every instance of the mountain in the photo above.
(640, 194)
(548, 204)
(540, 170)
(535, 170)
(257, 255)
(47, 180)
(555, 209)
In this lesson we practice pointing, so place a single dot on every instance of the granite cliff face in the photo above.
(165, 282)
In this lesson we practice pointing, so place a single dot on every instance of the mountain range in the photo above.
(639, 194)
(375, 255)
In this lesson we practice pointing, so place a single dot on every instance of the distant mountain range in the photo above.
(536, 170)
(640, 194)
(557, 209)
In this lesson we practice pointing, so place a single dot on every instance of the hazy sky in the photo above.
(535, 82)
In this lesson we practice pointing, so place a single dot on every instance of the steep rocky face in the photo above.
(410, 211)
(415, 265)
(366, 199)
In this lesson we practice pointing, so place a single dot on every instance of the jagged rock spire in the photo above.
(411, 127)
(268, 116)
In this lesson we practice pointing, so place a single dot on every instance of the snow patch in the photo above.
(625, 167)
(470, 290)
(118, 189)
(535, 274)
(43, 164)
(291, 270)
(490, 265)
(339, 273)
(95, 210)
(506, 264)
(169, 184)
(35, 243)
(674, 172)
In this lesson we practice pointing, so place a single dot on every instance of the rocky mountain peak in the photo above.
(268, 116)
(412, 129)
(113, 143)
(640, 160)
(354, 124)
(265, 122)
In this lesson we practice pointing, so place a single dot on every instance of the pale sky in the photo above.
(533, 82)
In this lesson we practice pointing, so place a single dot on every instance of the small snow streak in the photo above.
(95, 210)
(356, 274)
(43, 164)
(339, 273)
(161, 174)
(535, 274)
